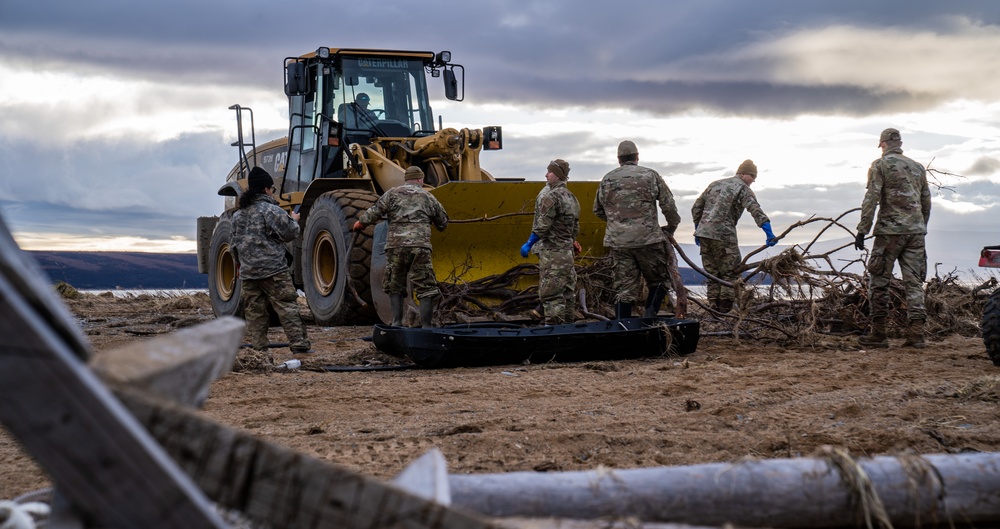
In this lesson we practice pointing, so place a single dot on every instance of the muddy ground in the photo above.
(729, 401)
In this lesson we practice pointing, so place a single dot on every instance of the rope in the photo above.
(862, 491)
(19, 515)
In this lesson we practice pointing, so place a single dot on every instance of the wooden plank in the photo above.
(282, 487)
(104, 462)
(179, 366)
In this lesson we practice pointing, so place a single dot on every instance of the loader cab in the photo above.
(325, 114)
(398, 104)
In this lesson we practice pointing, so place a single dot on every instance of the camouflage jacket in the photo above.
(410, 210)
(627, 200)
(260, 232)
(898, 186)
(718, 209)
(557, 218)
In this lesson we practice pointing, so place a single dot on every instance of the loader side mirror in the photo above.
(295, 79)
(450, 84)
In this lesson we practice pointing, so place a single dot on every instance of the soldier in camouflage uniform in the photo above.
(410, 211)
(715, 213)
(260, 229)
(555, 227)
(898, 186)
(627, 199)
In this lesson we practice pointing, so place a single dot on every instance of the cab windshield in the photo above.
(382, 94)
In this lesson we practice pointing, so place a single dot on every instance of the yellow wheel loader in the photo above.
(357, 119)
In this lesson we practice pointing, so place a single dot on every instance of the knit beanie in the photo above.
(259, 179)
(626, 148)
(413, 173)
(747, 167)
(560, 168)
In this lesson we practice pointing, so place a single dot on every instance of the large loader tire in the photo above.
(223, 282)
(336, 261)
(991, 327)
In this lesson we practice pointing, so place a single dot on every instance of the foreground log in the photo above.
(279, 486)
(102, 460)
(913, 491)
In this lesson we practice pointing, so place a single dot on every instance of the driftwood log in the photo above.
(828, 491)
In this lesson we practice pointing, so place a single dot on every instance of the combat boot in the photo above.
(427, 311)
(915, 335)
(623, 310)
(877, 338)
(654, 301)
(396, 304)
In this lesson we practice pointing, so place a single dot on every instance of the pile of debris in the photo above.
(797, 296)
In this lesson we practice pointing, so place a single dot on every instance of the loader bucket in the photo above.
(491, 220)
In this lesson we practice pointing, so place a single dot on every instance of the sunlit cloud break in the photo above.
(62, 242)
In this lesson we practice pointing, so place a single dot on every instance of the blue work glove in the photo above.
(526, 247)
(697, 241)
(771, 241)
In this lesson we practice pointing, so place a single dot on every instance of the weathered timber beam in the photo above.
(915, 491)
(179, 366)
(280, 486)
(102, 460)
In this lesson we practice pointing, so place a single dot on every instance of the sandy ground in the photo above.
(728, 401)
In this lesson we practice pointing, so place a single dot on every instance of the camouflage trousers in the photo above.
(557, 285)
(413, 264)
(720, 259)
(911, 253)
(279, 291)
(628, 265)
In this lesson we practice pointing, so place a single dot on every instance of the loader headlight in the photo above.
(323, 53)
(444, 57)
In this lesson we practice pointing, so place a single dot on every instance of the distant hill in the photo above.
(129, 270)
(152, 271)
(690, 277)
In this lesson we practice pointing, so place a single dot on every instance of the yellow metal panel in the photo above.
(471, 250)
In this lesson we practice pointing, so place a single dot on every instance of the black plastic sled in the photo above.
(486, 344)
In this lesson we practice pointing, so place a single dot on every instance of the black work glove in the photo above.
(859, 242)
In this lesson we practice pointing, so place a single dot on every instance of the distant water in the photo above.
(158, 292)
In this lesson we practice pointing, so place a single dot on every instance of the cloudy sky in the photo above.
(115, 130)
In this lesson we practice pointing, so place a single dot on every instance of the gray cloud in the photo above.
(543, 52)
(984, 166)
(726, 98)
(47, 218)
(177, 178)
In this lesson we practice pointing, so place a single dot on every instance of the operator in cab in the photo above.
(357, 115)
